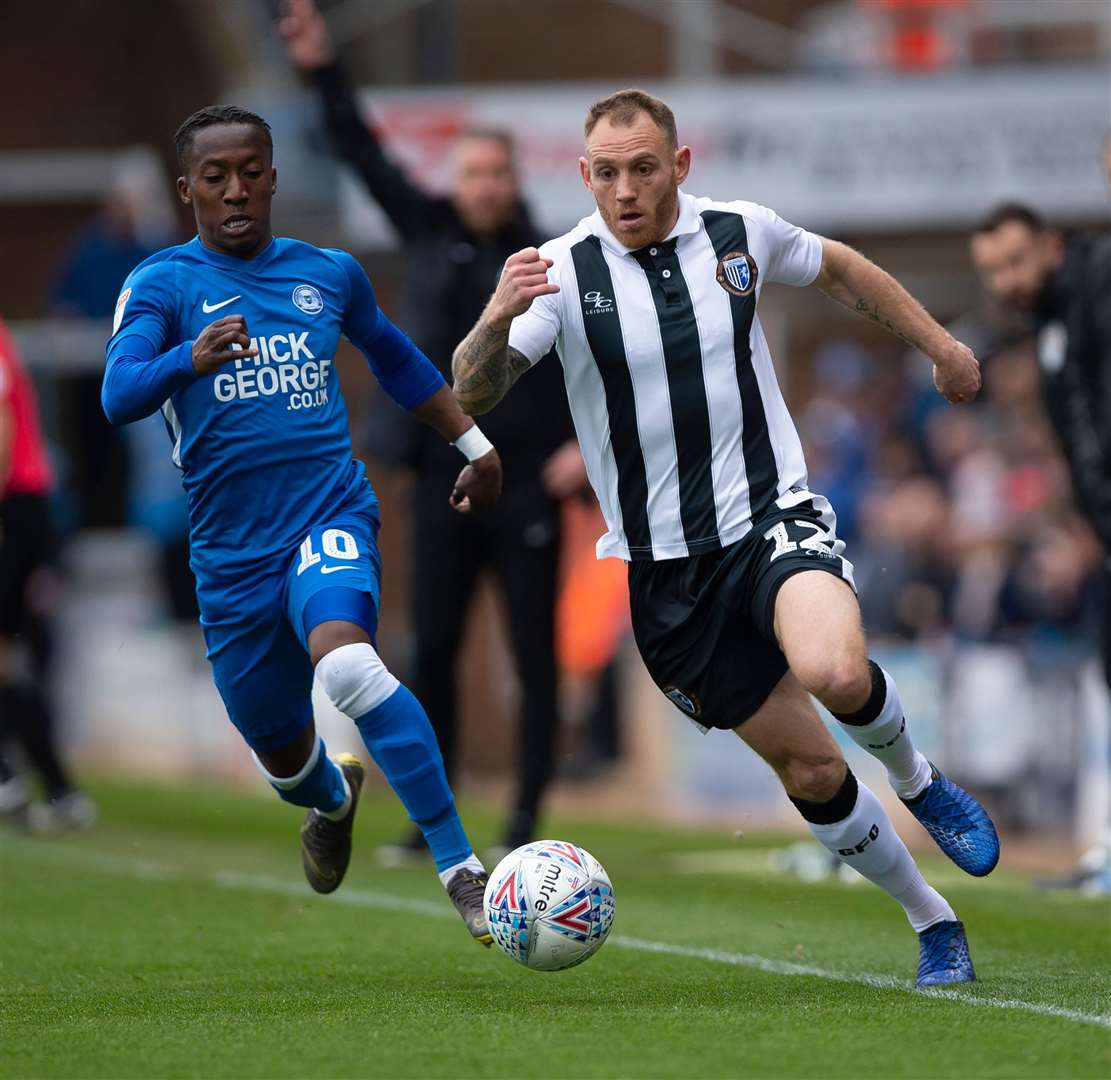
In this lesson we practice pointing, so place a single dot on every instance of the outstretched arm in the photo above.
(311, 49)
(484, 365)
(851, 279)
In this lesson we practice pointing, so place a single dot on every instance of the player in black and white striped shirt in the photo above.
(742, 600)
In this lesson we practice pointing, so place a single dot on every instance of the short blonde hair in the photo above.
(625, 106)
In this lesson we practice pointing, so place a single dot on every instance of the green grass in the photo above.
(123, 952)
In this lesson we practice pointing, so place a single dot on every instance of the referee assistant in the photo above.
(742, 600)
(457, 247)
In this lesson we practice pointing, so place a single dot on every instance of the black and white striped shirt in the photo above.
(675, 401)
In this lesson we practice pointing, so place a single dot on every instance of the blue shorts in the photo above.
(256, 628)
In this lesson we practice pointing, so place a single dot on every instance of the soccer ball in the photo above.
(549, 905)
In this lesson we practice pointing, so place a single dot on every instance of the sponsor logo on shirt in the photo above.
(285, 365)
(598, 304)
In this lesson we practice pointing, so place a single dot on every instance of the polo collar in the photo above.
(689, 221)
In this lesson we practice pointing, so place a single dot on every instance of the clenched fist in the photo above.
(225, 339)
(957, 374)
(306, 34)
(523, 279)
(478, 485)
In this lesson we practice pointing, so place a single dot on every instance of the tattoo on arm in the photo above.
(485, 367)
(872, 312)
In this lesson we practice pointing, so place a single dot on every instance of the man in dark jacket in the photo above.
(456, 247)
(1065, 291)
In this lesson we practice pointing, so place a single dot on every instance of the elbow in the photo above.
(111, 407)
(115, 408)
(116, 416)
(472, 406)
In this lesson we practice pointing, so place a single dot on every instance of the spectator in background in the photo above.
(88, 282)
(1065, 292)
(25, 551)
(456, 247)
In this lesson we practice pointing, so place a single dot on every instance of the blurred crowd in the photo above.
(959, 522)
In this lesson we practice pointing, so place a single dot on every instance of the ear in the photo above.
(273, 181)
(183, 192)
(682, 163)
(584, 171)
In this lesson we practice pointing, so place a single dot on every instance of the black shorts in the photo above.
(26, 543)
(705, 624)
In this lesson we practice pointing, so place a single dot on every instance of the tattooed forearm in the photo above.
(872, 311)
(851, 279)
(484, 368)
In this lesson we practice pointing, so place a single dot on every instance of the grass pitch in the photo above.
(178, 939)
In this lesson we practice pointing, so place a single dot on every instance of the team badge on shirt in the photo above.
(308, 299)
(737, 273)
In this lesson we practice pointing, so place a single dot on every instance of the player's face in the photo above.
(634, 174)
(230, 183)
(1014, 262)
(485, 193)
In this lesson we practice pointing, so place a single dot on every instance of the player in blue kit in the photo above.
(232, 336)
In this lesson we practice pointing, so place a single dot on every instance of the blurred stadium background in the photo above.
(891, 124)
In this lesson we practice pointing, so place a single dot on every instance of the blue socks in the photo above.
(319, 784)
(401, 740)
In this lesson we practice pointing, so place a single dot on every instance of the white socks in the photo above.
(866, 840)
(885, 736)
(471, 862)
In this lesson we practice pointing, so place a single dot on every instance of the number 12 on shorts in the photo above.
(817, 542)
(336, 543)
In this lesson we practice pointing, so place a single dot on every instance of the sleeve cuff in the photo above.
(815, 257)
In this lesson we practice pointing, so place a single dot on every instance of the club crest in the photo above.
(682, 701)
(308, 299)
(737, 273)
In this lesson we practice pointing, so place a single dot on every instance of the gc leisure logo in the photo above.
(598, 304)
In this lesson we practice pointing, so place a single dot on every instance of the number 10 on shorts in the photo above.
(336, 543)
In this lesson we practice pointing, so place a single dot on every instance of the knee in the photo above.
(355, 679)
(840, 681)
(815, 779)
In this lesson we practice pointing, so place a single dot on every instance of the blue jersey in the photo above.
(263, 442)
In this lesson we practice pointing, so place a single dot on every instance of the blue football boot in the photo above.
(943, 956)
(959, 825)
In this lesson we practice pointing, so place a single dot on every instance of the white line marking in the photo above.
(144, 870)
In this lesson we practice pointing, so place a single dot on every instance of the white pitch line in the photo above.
(146, 870)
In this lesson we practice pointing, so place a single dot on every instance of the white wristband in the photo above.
(472, 444)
